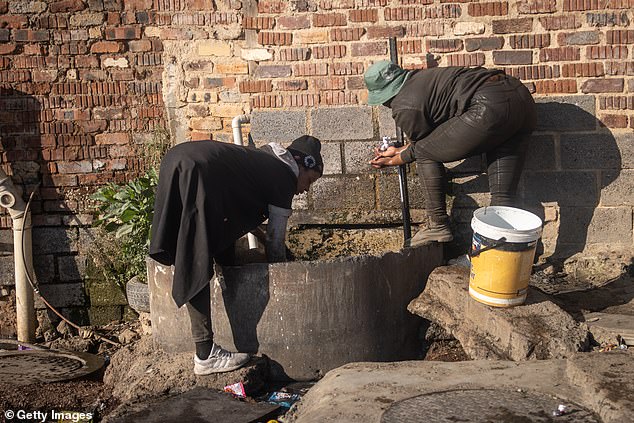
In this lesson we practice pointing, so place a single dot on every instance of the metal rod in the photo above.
(402, 170)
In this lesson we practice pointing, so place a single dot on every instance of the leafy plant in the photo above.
(127, 211)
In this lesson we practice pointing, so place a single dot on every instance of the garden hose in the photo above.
(84, 333)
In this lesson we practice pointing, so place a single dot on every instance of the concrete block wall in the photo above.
(84, 83)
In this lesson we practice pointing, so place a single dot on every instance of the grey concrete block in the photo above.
(469, 165)
(105, 293)
(566, 113)
(44, 267)
(64, 294)
(331, 154)
(343, 193)
(572, 188)
(300, 202)
(468, 191)
(611, 225)
(71, 268)
(574, 224)
(357, 155)
(540, 154)
(625, 144)
(389, 192)
(387, 126)
(278, 126)
(342, 123)
(7, 270)
(590, 151)
(617, 188)
(48, 240)
(6, 241)
(103, 315)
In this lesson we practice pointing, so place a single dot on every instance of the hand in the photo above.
(379, 162)
(389, 152)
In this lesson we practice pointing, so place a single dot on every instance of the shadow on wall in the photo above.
(29, 148)
(571, 160)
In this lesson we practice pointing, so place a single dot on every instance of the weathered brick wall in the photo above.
(85, 82)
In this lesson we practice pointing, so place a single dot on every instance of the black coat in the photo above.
(210, 194)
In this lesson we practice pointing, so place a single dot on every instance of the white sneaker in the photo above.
(219, 361)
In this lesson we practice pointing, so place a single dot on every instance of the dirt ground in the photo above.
(138, 372)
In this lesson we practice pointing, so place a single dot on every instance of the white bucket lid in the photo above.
(516, 225)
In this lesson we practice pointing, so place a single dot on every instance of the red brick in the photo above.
(30, 35)
(140, 45)
(336, 4)
(484, 43)
(374, 48)
(613, 121)
(7, 48)
(555, 23)
(310, 69)
(424, 29)
(409, 46)
(4, 7)
(619, 68)
(272, 6)
(34, 49)
(142, 5)
(526, 7)
(86, 61)
(255, 86)
(567, 86)
(364, 15)
(576, 70)
(266, 101)
(123, 33)
(355, 83)
(606, 52)
(611, 85)
(404, 13)
(66, 6)
(293, 54)
(275, 38)
(346, 34)
(113, 18)
(348, 68)
(331, 51)
(258, 22)
(329, 19)
(335, 98)
(385, 31)
(115, 138)
(105, 47)
(559, 54)
(301, 100)
(469, 59)
(515, 57)
(443, 46)
(607, 19)
(613, 102)
(13, 21)
(176, 34)
(510, 26)
(293, 22)
(583, 5)
(623, 36)
(293, 85)
(533, 72)
(496, 8)
(332, 83)
(529, 41)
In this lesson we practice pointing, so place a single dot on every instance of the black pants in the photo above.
(199, 307)
(498, 122)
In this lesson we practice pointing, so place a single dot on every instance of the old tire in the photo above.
(138, 295)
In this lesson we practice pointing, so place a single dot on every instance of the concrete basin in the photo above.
(308, 317)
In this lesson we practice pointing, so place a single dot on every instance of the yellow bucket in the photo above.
(502, 253)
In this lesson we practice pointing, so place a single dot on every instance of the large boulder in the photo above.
(538, 329)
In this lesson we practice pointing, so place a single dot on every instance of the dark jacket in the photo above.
(209, 195)
(430, 97)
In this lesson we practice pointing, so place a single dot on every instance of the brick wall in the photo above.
(83, 83)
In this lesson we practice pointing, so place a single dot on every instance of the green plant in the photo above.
(126, 211)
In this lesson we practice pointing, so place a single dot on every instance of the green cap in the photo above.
(384, 80)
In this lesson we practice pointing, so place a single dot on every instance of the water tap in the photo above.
(387, 142)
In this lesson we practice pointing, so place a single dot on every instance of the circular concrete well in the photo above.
(307, 316)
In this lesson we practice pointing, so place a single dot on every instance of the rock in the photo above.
(146, 323)
(538, 329)
(127, 336)
(64, 329)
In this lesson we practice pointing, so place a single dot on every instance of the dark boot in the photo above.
(431, 231)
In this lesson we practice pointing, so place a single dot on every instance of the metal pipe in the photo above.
(236, 126)
(402, 170)
(23, 258)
